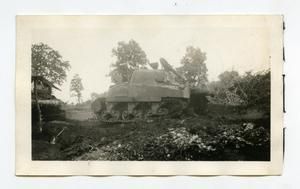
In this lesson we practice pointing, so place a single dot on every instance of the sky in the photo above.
(229, 43)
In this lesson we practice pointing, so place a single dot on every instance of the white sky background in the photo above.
(87, 44)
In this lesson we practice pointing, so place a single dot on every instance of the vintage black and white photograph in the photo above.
(151, 88)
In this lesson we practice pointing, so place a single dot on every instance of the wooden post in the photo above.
(40, 121)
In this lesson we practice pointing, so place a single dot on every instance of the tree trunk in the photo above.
(40, 121)
(78, 98)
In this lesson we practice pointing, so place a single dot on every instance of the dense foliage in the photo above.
(130, 57)
(256, 89)
(170, 139)
(244, 142)
(250, 89)
(194, 67)
(48, 63)
(50, 112)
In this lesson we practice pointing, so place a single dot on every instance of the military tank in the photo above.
(149, 93)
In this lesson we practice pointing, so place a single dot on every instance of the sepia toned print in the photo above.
(149, 95)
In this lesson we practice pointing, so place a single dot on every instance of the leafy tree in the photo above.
(255, 90)
(76, 87)
(130, 57)
(194, 67)
(48, 63)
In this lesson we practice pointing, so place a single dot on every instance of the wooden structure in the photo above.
(41, 93)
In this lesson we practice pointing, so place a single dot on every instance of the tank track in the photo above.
(168, 107)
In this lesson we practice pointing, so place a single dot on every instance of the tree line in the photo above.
(129, 56)
(231, 88)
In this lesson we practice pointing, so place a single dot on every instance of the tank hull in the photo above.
(144, 93)
(149, 93)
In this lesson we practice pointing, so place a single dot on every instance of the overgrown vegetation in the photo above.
(251, 90)
(129, 57)
(186, 142)
(194, 67)
(200, 138)
(47, 62)
(50, 112)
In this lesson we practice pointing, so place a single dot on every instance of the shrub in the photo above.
(250, 90)
(244, 142)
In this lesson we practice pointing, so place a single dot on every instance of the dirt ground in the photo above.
(221, 134)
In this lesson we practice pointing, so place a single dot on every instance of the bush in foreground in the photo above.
(245, 142)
